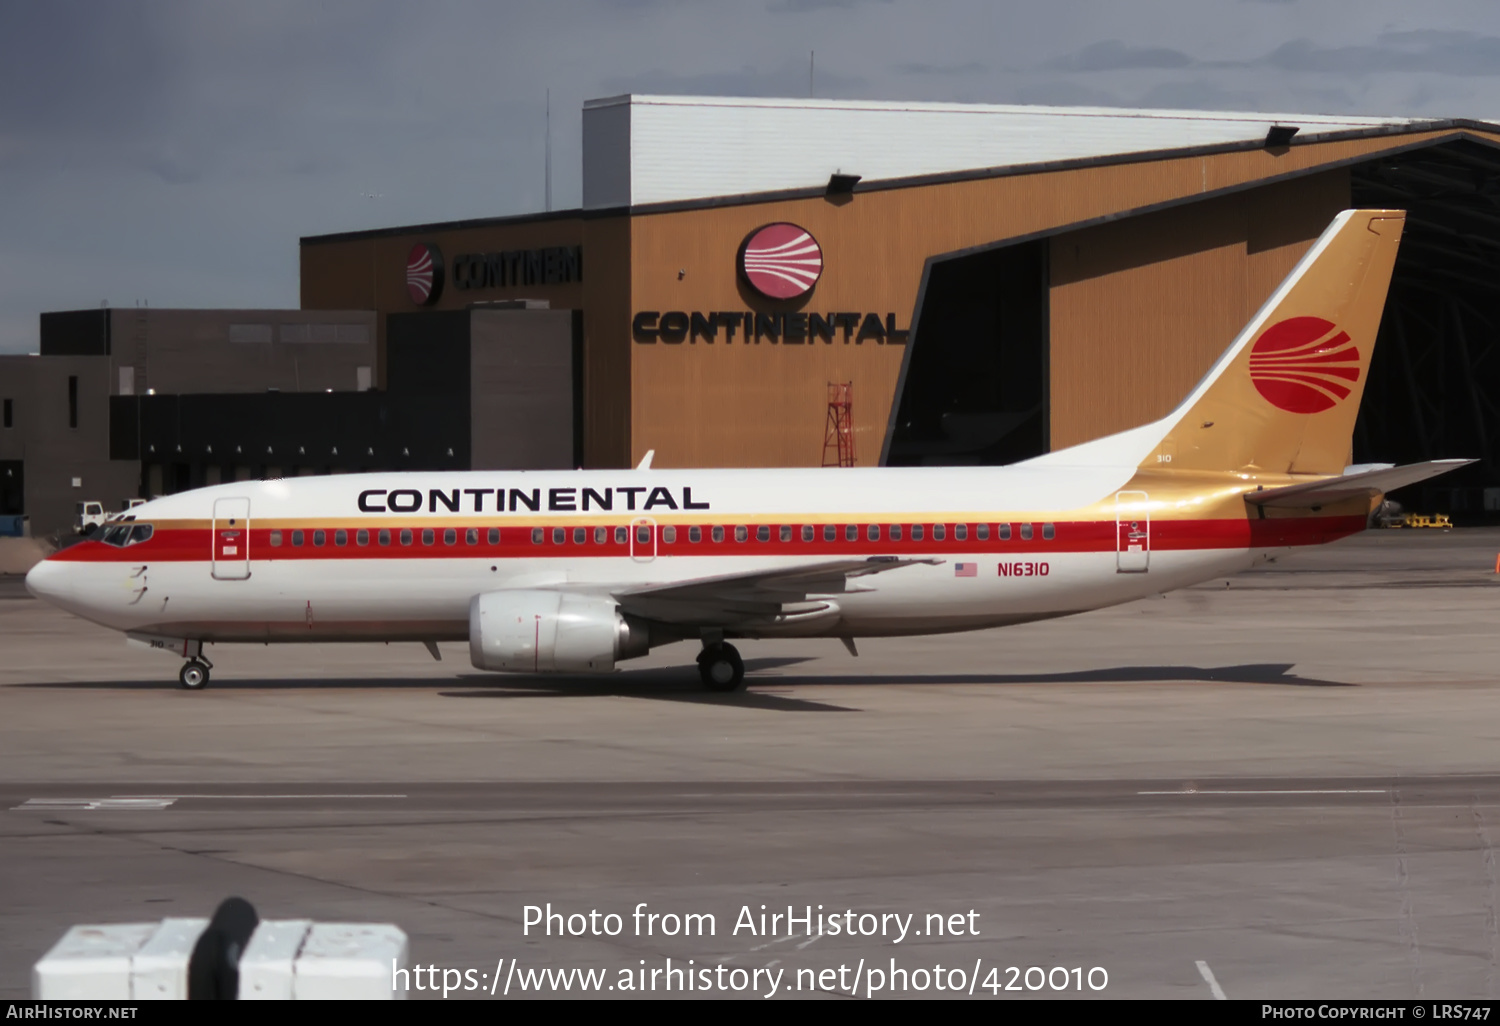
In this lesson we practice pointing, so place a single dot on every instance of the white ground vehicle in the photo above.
(89, 518)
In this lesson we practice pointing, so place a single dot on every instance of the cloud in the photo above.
(805, 6)
(1424, 50)
(1113, 55)
(970, 68)
(1195, 94)
(788, 78)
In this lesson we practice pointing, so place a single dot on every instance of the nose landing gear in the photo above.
(720, 667)
(194, 673)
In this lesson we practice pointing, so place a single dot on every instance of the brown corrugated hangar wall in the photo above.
(1032, 308)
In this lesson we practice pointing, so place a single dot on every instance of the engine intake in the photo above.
(539, 631)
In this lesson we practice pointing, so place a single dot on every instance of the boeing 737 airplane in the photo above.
(576, 571)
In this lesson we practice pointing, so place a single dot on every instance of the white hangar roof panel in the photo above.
(661, 149)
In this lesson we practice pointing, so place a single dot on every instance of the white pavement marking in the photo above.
(175, 797)
(809, 940)
(1351, 790)
(1213, 984)
(87, 804)
(162, 801)
(778, 940)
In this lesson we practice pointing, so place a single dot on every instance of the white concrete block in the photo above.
(159, 969)
(342, 961)
(90, 963)
(267, 968)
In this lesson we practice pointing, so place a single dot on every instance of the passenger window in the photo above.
(450, 536)
(741, 533)
(341, 537)
(275, 539)
(1048, 532)
(494, 536)
(471, 536)
(601, 535)
(559, 535)
(361, 537)
(1005, 532)
(872, 533)
(669, 534)
(763, 533)
(1026, 532)
(319, 537)
(717, 534)
(830, 533)
(786, 532)
(405, 536)
(428, 536)
(296, 538)
(643, 534)
(695, 534)
(621, 536)
(580, 535)
(807, 532)
(895, 532)
(939, 532)
(982, 532)
(851, 532)
(384, 536)
(916, 532)
(960, 532)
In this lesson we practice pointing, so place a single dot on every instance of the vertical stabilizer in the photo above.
(1284, 396)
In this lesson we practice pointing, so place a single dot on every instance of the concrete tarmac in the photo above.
(1290, 776)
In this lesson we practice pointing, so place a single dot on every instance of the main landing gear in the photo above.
(720, 667)
(194, 674)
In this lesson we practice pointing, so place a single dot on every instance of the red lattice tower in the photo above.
(838, 439)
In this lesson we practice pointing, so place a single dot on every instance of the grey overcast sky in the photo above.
(173, 152)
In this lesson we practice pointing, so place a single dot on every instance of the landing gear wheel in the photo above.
(721, 667)
(194, 675)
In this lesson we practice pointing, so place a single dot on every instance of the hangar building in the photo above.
(992, 281)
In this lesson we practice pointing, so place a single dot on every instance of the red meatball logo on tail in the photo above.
(1304, 365)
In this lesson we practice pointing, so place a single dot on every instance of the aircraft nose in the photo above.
(45, 580)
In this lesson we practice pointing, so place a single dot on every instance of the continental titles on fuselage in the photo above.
(631, 498)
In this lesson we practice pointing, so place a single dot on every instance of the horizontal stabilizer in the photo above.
(1366, 483)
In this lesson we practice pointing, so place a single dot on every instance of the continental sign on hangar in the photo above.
(995, 281)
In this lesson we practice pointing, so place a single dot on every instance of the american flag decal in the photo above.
(965, 569)
(781, 261)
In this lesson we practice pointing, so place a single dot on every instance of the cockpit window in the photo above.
(121, 535)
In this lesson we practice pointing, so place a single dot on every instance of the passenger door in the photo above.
(231, 540)
(643, 539)
(1132, 533)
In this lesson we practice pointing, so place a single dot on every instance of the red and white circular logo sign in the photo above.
(424, 274)
(1304, 365)
(781, 260)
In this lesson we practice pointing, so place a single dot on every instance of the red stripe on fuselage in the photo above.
(169, 545)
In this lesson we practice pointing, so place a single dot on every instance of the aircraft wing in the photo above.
(1367, 483)
(783, 594)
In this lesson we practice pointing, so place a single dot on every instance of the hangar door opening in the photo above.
(974, 391)
(1434, 388)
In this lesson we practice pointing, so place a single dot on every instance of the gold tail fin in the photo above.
(1283, 398)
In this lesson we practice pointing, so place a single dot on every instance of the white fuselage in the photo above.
(351, 557)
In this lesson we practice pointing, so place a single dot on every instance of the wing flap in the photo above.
(781, 592)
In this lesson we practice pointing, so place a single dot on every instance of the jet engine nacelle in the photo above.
(541, 631)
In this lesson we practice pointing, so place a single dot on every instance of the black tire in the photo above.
(721, 668)
(193, 675)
